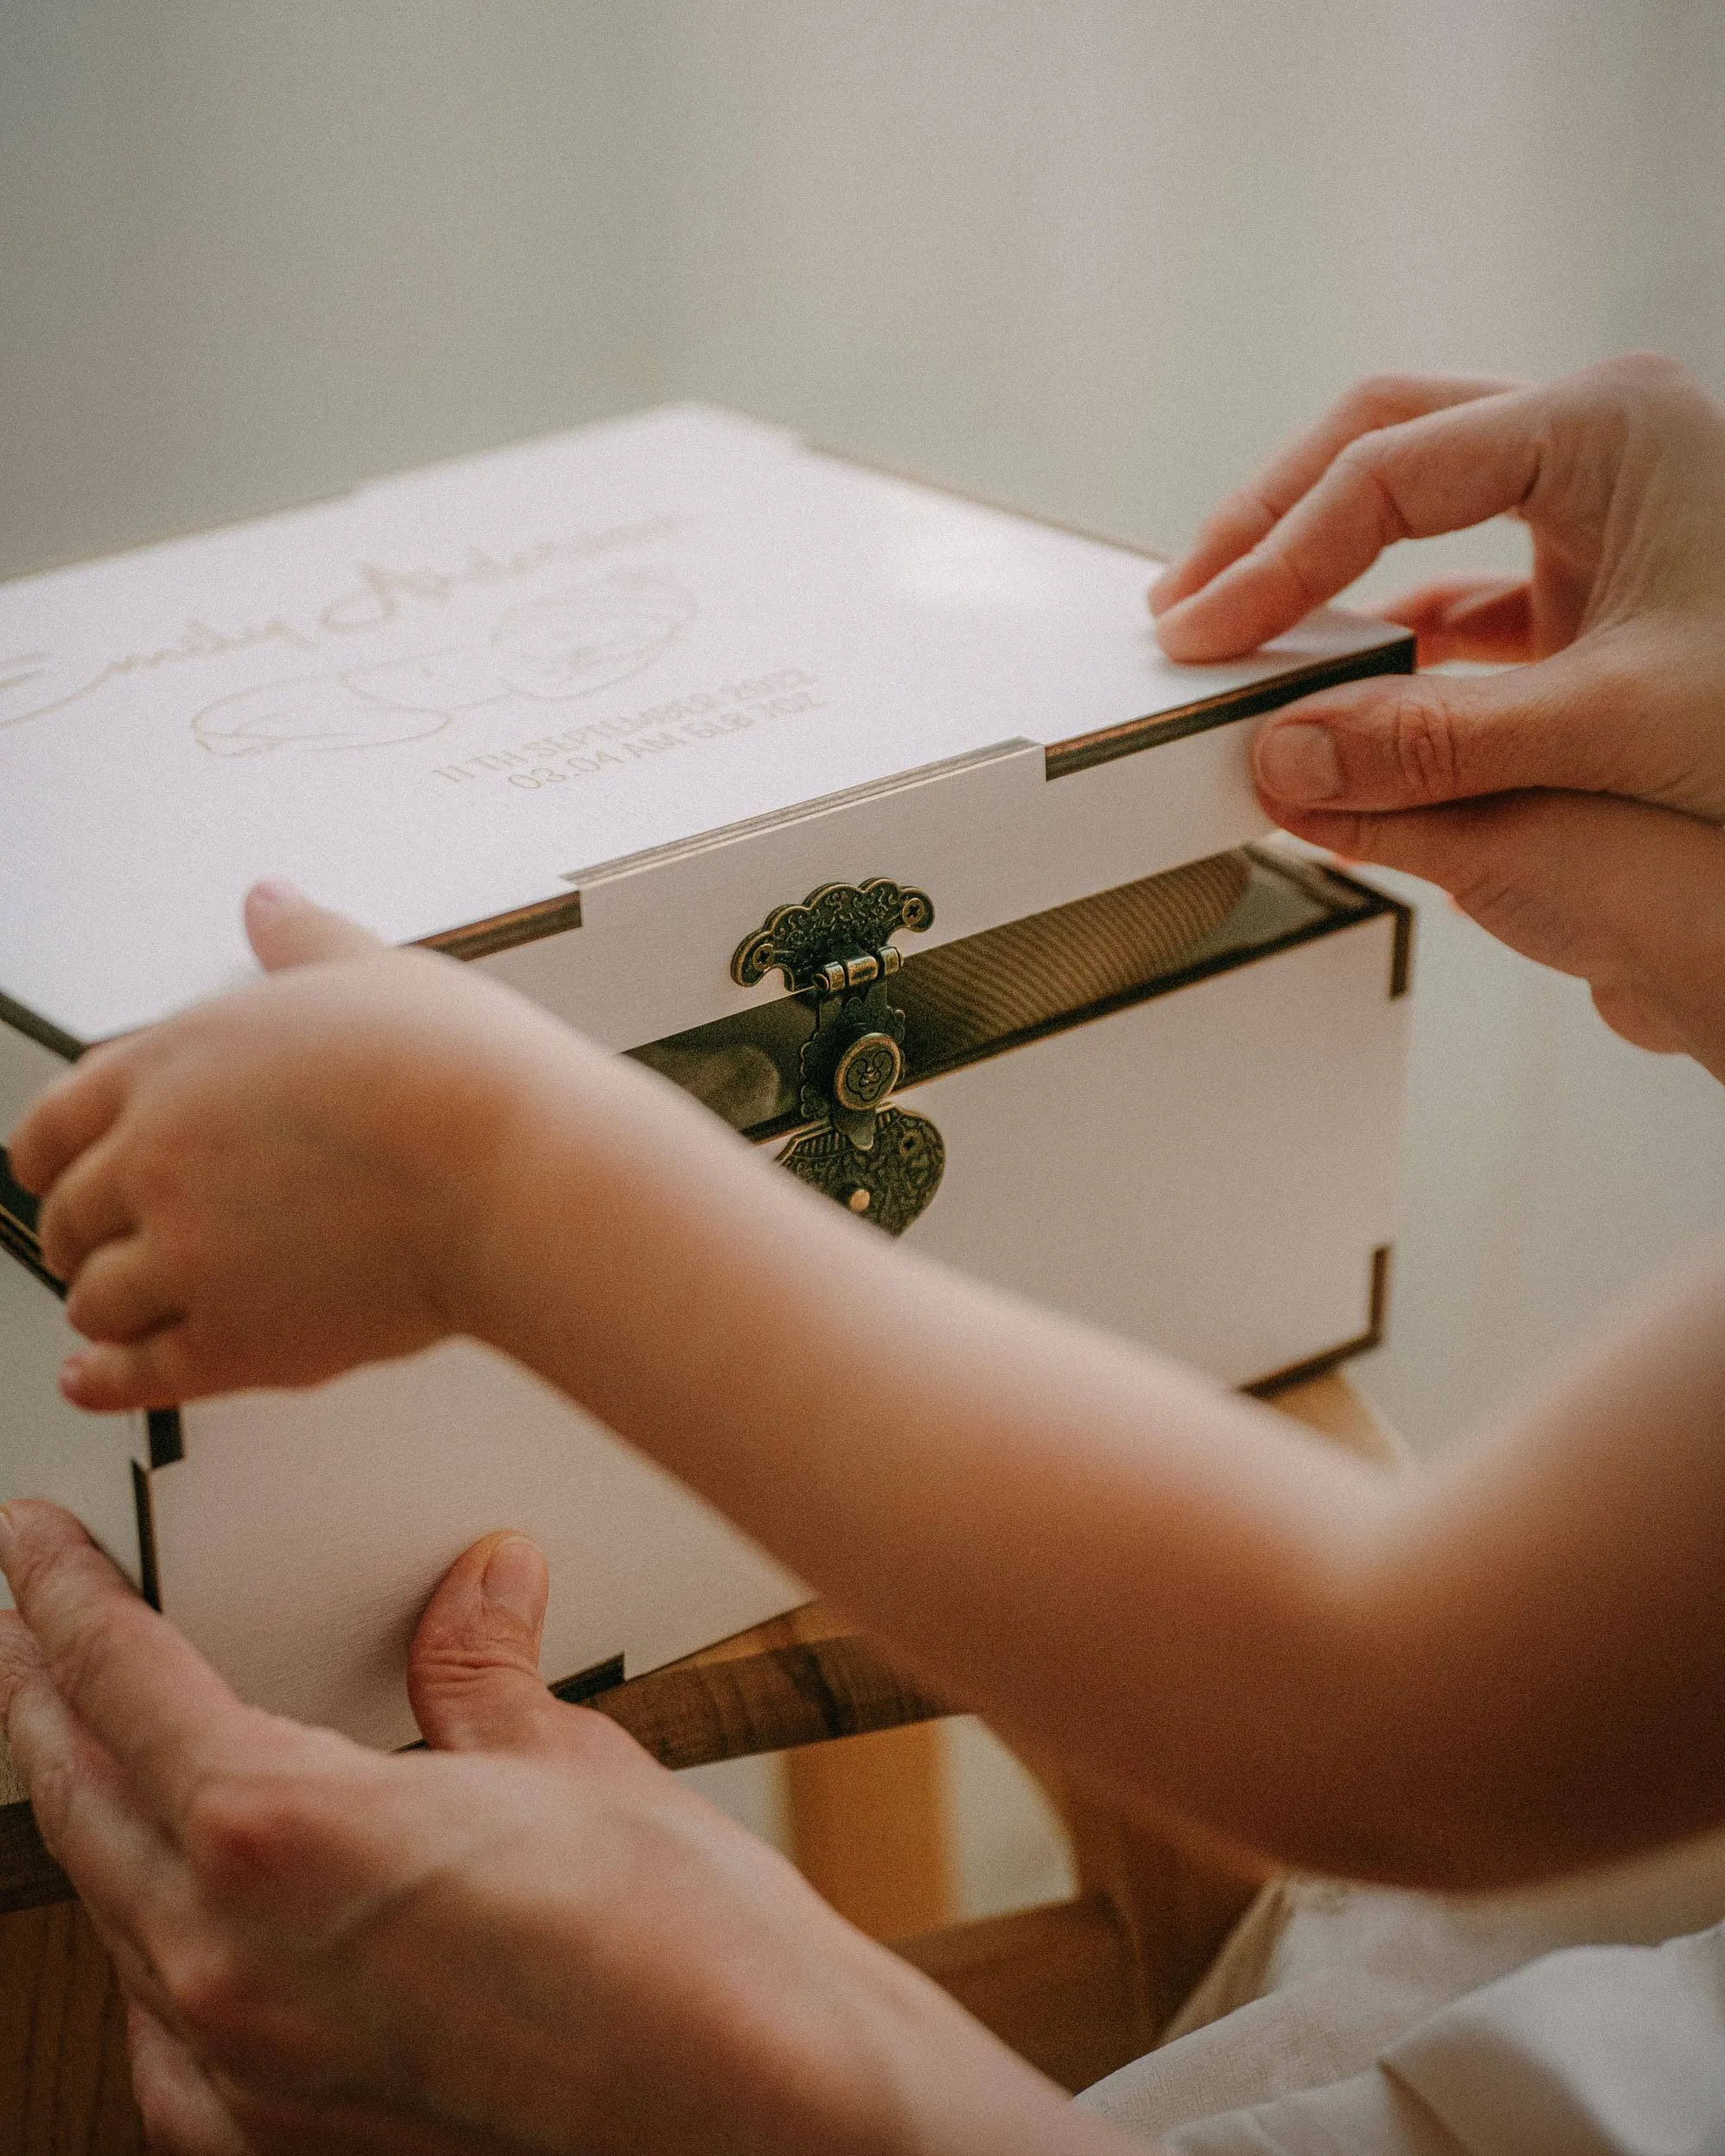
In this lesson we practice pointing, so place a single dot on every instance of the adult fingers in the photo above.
(140, 1690)
(86, 1208)
(286, 929)
(1427, 475)
(1630, 897)
(68, 1118)
(1489, 619)
(1251, 513)
(183, 2113)
(122, 1293)
(1622, 711)
(113, 1854)
(473, 1671)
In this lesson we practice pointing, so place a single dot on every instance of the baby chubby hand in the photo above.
(278, 1185)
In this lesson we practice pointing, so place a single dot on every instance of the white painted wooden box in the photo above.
(588, 713)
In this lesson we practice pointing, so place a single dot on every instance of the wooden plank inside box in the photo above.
(1173, 1111)
(586, 713)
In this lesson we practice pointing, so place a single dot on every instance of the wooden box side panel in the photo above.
(1209, 1172)
(302, 1534)
(49, 1449)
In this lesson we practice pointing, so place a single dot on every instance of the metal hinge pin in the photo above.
(857, 973)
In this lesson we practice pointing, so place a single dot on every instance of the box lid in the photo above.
(462, 696)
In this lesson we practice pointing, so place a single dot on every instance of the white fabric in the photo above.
(1320, 1982)
(1601, 2051)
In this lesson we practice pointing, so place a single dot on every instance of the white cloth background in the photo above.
(1320, 1981)
(1593, 2051)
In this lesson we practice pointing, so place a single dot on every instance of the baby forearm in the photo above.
(1553, 1605)
(1115, 1559)
(1125, 1566)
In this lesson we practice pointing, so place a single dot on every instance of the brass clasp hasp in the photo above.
(834, 950)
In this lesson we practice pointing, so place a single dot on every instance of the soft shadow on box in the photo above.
(871, 815)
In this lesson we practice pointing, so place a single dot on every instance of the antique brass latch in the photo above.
(835, 951)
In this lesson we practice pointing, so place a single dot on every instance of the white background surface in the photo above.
(1096, 259)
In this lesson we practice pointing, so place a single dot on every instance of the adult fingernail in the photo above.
(278, 891)
(514, 1582)
(1298, 761)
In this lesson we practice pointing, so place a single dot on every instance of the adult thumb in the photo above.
(285, 929)
(473, 1671)
(1607, 715)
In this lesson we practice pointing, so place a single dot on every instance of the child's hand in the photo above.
(282, 1183)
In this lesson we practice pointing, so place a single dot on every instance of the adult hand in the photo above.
(1571, 804)
(530, 1936)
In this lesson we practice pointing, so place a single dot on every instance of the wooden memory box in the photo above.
(871, 816)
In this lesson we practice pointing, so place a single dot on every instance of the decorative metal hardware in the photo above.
(890, 1184)
(884, 1163)
(851, 1062)
(837, 938)
(867, 1072)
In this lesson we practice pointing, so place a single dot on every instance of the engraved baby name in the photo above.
(37, 684)
(560, 646)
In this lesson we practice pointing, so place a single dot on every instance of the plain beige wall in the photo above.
(252, 250)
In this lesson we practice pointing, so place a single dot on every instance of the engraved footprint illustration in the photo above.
(570, 643)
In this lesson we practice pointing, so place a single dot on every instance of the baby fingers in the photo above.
(69, 1116)
(157, 1371)
(123, 1292)
(88, 1207)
